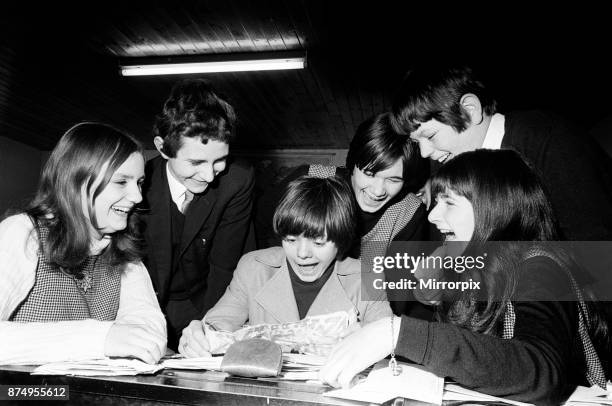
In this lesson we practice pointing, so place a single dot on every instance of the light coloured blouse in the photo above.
(36, 343)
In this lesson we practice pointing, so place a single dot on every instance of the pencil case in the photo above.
(253, 358)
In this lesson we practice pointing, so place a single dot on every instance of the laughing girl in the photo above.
(72, 286)
(519, 336)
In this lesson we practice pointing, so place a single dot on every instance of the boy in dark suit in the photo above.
(198, 204)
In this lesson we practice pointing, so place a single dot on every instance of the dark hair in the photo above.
(510, 205)
(507, 196)
(194, 109)
(376, 147)
(435, 93)
(317, 208)
(86, 152)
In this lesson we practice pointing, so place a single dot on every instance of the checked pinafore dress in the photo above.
(61, 296)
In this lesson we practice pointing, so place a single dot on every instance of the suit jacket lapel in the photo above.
(159, 232)
(276, 297)
(197, 214)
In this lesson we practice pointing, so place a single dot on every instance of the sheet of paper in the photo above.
(455, 392)
(209, 363)
(302, 359)
(102, 367)
(299, 376)
(594, 394)
(314, 335)
(380, 385)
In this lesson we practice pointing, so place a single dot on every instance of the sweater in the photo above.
(540, 364)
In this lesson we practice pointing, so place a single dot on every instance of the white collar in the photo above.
(495, 132)
(97, 246)
(177, 189)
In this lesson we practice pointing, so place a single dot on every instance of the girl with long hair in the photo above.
(71, 282)
(527, 332)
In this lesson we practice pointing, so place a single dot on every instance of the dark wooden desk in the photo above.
(176, 387)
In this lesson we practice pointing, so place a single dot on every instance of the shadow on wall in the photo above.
(271, 167)
(602, 133)
(20, 167)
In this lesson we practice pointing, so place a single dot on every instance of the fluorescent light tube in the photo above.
(215, 66)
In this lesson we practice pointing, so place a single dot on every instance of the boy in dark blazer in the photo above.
(197, 204)
(448, 111)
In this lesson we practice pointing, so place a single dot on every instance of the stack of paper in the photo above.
(101, 367)
(380, 385)
(210, 363)
(291, 359)
(301, 367)
(296, 367)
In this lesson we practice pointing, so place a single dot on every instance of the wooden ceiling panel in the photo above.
(58, 63)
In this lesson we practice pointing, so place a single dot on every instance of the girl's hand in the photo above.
(135, 340)
(193, 342)
(358, 351)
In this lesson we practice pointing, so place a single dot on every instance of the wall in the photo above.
(19, 172)
(20, 167)
(273, 165)
(602, 133)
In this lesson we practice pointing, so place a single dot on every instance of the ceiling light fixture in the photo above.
(213, 63)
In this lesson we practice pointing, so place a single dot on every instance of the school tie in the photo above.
(187, 201)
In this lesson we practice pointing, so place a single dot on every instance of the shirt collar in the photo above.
(495, 132)
(177, 189)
